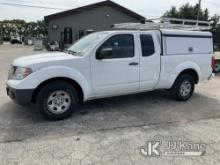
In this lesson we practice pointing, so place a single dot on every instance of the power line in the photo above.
(32, 6)
(54, 8)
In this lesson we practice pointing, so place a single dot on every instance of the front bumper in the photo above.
(20, 96)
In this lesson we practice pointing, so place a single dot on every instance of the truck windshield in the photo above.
(86, 42)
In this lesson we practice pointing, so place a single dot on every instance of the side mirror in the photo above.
(104, 53)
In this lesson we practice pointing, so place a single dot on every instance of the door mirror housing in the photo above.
(105, 53)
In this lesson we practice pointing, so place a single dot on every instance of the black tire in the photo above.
(46, 92)
(177, 88)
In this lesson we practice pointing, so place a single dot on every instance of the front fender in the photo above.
(180, 68)
(44, 74)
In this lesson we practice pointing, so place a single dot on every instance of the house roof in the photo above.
(92, 6)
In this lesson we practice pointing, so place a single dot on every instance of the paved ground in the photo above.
(108, 131)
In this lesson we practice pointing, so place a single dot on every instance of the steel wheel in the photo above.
(58, 102)
(185, 88)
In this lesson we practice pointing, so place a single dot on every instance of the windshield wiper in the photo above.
(71, 52)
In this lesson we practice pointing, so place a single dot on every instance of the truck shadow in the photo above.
(152, 108)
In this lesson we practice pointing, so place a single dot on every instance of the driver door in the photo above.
(118, 73)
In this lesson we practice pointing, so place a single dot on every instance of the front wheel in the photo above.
(57, 100)
(183, 88)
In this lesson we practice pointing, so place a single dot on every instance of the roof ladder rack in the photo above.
(166, 23)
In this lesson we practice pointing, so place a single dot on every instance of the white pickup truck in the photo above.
(112, 63)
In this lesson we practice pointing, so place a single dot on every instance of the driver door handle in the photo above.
(133, 63)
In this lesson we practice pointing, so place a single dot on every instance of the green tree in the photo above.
(36, 29)
(216, 28)
(172, 13)
(23, 28)
(188, 11)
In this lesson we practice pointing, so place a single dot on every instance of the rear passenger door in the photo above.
(150, 51)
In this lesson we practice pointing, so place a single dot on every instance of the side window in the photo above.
(122, 46)
(147, 45)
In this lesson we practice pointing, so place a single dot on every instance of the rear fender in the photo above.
(180, 68)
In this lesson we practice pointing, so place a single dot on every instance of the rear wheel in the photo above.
(183, 88)
(57, 100)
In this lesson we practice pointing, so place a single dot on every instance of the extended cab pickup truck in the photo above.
(112, 63)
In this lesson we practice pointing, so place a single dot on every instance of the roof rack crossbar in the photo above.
(166, 23)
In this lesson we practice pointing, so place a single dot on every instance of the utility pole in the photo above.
(198, 14)
(1, 25)
(1, 36)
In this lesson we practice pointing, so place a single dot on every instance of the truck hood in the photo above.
(28, 61)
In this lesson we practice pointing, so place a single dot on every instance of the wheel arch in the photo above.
(191, 72)
(187, 67)
(69, 80)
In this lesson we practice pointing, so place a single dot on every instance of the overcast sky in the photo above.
(147, 8)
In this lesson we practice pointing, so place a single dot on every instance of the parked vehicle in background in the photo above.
(28, 40)
(217, 62)
(15, 39)
(38, 44)
(53, 46)
(112, 63)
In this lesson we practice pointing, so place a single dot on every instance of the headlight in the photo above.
(19, 73)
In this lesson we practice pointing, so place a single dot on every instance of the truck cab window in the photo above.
(147, 45)
(122, 46)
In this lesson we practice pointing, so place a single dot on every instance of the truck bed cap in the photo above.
(187, 33)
